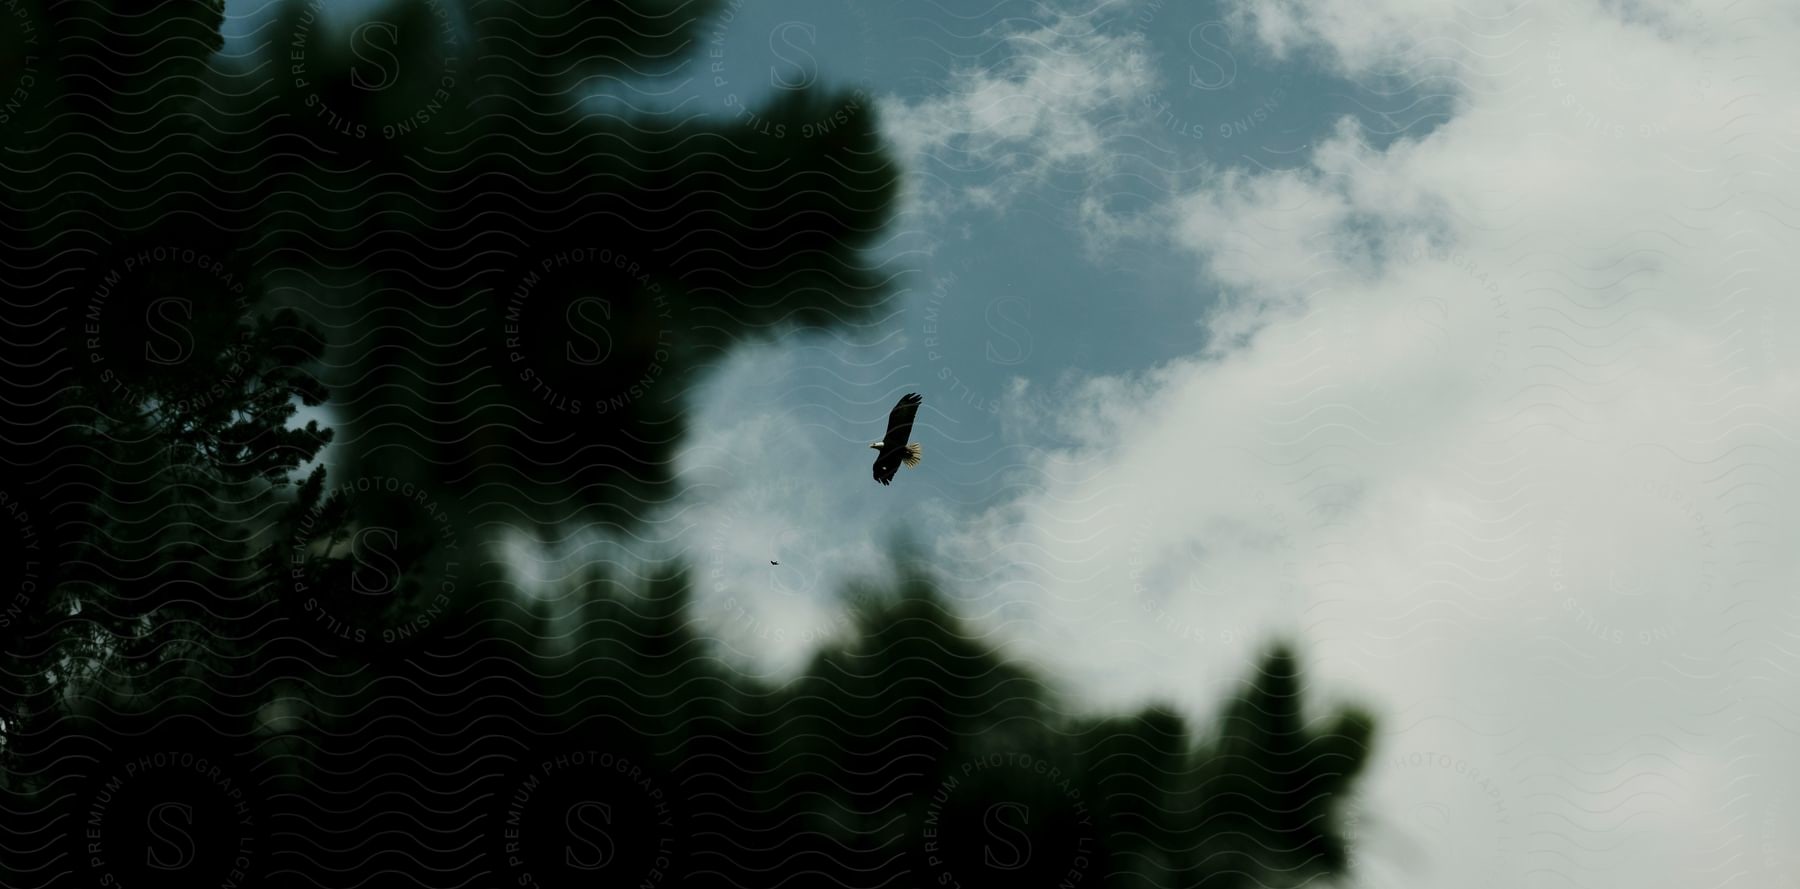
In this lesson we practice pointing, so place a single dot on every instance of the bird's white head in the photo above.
(877, 445)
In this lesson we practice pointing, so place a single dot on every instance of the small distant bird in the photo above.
(773, 562)
(893, 447)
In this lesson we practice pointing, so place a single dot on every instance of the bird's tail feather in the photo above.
(914, 453)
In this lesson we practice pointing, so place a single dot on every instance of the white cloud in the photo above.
(1502, 439)
(1056, 101)
(749, 471)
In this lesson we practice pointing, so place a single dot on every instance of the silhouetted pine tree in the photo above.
(229, 663)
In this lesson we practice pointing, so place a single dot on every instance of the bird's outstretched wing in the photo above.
(900, 420)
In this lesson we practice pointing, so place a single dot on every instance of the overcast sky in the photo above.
(1454, 340)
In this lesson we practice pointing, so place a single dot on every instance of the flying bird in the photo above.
(893, 447)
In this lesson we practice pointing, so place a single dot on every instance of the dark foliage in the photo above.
(226, 662)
